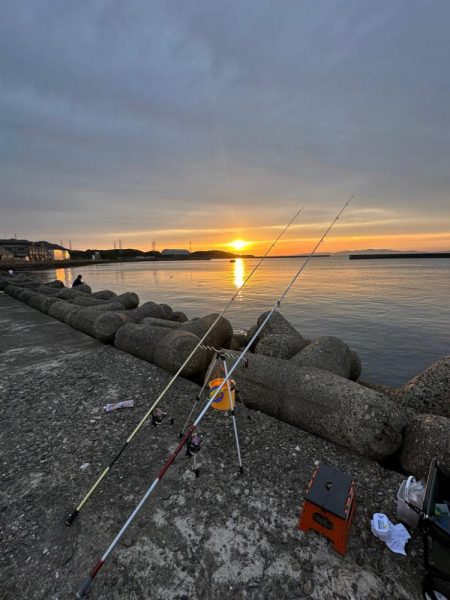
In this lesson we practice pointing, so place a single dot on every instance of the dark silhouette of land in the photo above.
(399, 255)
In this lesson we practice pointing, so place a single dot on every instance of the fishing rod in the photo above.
(89, 579)
(71, 518)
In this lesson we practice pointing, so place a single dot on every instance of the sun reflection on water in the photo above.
(65, 275)
(239, 274)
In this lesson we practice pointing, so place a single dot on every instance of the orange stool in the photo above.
(329, 505)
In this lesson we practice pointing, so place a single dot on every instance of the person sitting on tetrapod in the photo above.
(77, 281)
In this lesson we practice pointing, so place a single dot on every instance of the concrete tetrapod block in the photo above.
(69, 293)
(140, 340)
(43, 303)
(146, 310)
(277, 324)
(13, 290)
(429, 392)
(167, 311)
(425, 437)
(322, 403)
(19, 277)
(49, 290)
(4, 282)
(57, 283)
(103, 326)
(355, 366)
(89, 301)
(35, 300)
(26, 294)
(173, 350)
(179, 316)
(60, 310)
(31, 284)
(280, 345)
(104, 295)
(129, 300)
(107, 306)
(160, 323)
(220, 334)
(84, 287)
(328, 353)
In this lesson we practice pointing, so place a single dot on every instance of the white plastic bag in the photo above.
(394, 536)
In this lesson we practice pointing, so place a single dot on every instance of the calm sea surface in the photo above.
(394, 313)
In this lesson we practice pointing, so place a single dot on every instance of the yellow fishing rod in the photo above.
(89, 579)
(70, 519)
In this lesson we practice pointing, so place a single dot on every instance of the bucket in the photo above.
(404, 512)
(222, 401)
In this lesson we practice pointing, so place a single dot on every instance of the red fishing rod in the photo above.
(71, 518)
(87, 582)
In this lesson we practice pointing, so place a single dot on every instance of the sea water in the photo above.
(394, 313)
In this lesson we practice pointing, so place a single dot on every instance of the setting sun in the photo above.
(238, 244)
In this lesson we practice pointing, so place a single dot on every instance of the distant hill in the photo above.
(217, 254)
(376, 251)
(130, 253)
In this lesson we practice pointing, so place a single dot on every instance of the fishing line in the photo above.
(105, 472)
(87, 582)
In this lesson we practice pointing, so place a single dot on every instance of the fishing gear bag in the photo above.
(436, 529)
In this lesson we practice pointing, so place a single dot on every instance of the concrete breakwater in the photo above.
(311, 384)
(221, 535)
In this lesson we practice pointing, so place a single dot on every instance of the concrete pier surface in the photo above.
(219, 536)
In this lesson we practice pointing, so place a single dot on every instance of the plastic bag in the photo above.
(415, 491)
(394, 536)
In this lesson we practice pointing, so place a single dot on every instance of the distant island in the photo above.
(388, 255)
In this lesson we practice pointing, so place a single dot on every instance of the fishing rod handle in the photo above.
(84, 587)
(71, 518)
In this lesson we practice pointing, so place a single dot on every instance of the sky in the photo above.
(206, 122)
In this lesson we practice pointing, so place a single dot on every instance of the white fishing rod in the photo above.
(70, 519)
(87, 582)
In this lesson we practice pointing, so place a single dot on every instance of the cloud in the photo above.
(170, 114)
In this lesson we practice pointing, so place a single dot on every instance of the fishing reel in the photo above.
(193, 444)
(158, 417)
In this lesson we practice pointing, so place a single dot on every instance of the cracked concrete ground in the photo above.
(221, 535)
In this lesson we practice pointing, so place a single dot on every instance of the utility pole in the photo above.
(190, 247)
(153, 245)
(120, 244)
(115, 247)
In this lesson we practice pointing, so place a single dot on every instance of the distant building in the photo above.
(5, 254)
(174, 252)
(33, 251)
(17, 248)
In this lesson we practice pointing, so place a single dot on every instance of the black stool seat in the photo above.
(330, 490)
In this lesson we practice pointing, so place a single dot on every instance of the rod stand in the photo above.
(233, 414)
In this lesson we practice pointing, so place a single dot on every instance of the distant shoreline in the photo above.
(401, 255)
(68, 264)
